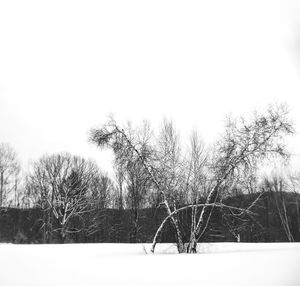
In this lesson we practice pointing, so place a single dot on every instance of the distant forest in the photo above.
(117, 226)
(162, 190)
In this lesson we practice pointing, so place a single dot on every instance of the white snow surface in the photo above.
(219, 264)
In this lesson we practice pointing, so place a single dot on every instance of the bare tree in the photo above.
(9, 173)
(294, 186)
(197, 181)
(242, 147)
(197, 173)
(123, 145)
(138, 182)
(170, 167)
(101, 196)
(132, 178)
(61, 185)
(277, 186)
(101, 189)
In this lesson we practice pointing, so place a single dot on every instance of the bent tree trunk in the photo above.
(179, 242)
(104, 137)
(217, 205)
(180, 245)
(203, 220)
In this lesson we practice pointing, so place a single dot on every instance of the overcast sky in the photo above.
(66, 65)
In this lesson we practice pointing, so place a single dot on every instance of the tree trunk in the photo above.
(1, 187)
(62, 234)
(203, 220)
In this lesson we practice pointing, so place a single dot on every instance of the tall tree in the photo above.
(124, 146)
(138, 182)
(101, 196)
(9, 172)
(244, 145)
(170, 164)
(196, 170)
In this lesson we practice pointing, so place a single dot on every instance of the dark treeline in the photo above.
(25, 225)
(161, 189)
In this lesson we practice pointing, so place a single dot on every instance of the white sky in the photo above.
(66, 65)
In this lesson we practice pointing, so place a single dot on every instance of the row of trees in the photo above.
(154, 170)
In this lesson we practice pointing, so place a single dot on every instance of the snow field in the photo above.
(221, 264)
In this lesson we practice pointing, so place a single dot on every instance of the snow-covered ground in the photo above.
(219, 264)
